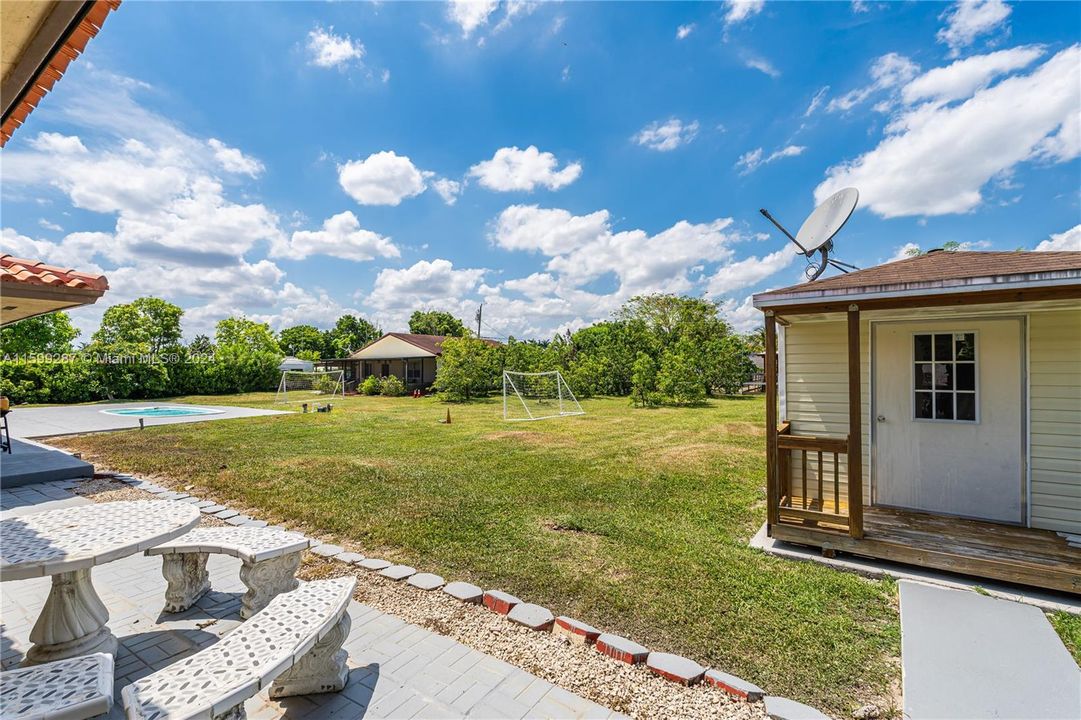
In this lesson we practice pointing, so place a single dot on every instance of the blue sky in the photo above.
(295, 161)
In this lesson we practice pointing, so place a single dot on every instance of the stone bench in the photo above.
(73, 689)
(293, 644)
(270, 561)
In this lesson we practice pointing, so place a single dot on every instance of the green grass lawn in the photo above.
(634, 520)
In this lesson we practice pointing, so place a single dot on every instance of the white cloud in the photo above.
(1067, 240)
(887, 71)
(762, 65)
(968, 19)
(551, 231)
(964, 77)
(751, 160)
(565, 75)
(234, 161)
(743, 317)
(684, 30)
(383, 178)
(58, 144)
(747, 272)
(470, 14)
(666, 135)
(935, 159)
(341, 237)
(736, 11)
(537, 285)
(384, 76)
(859, 6)
(423, 285)
(47, 225)
(447, 189)
(328, 50)
(514, 169)
(512, 9)
(816, 101)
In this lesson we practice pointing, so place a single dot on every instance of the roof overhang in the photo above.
(1054, 285)
(19, 301)
(390, 347)
(40, 38)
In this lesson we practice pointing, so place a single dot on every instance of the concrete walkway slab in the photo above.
(39, 422)
(965, 655)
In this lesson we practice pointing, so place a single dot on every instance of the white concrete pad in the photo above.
(965, 655)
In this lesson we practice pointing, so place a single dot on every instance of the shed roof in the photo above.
(936, 273)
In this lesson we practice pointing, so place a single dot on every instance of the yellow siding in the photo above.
(1055, 421)
(816, 403)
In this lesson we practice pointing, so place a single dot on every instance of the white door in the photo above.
(948, 417)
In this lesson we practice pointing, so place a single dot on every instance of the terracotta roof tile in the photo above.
(941, 267)
(35, 272)
(73, 46)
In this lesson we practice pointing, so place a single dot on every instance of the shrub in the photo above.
(679, 380)
(470, 367)
(392, 386)
(370, 386)
(644, 381)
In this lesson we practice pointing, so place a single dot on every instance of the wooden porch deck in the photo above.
(1026, 556)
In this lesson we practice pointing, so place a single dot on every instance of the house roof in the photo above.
(30, 287)
(40, 39)
(426, 345)
(936, 273)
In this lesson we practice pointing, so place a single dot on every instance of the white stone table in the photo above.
(65, 544)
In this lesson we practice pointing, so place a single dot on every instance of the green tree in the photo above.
(756, 340)
(348, 334)
(436, 322)
(302, 338)
(644, 381)
(150, 322)
(242, 333)
(679, 380)
(470, 367)
(732, 365)
(50, 334)
(201, 345)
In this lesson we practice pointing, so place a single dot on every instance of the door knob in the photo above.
(881, 418)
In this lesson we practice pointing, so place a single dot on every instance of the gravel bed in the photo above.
(633, 690)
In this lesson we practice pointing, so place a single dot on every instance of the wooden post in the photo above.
(855, 427)
(772, 476)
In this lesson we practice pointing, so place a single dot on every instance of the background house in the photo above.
(412, 358)
(929, 411)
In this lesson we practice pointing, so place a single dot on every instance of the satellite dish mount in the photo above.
(816, 234)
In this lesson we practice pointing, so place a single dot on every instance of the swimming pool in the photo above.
(158, 411)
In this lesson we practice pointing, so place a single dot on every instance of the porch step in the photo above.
(967, 655)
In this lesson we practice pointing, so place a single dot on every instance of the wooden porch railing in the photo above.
(797, 499)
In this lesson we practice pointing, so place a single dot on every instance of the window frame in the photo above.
(976, 362)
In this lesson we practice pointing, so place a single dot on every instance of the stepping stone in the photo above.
(426, 581)
(226, 514)
(499, 601)
(575, 630)
(328, 551)
(373, 564)
(398, 572)
(350, 557)
(238, 520)
(154, 489)
(204, 503)
(735, 686)
(212, 509)
(621, 649)
(174, 495)
(254, 523)
(781, 708)
(466, 592)
(675, 667)
(192, 500)
(532, 616)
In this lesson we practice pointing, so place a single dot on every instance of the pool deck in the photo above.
(41, 422)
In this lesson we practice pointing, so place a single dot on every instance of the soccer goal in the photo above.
(300, 386)
(536, 396)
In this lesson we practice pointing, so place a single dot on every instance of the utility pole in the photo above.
(480, 314)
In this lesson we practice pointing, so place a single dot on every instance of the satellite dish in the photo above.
(826, 220)
(817, 232)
